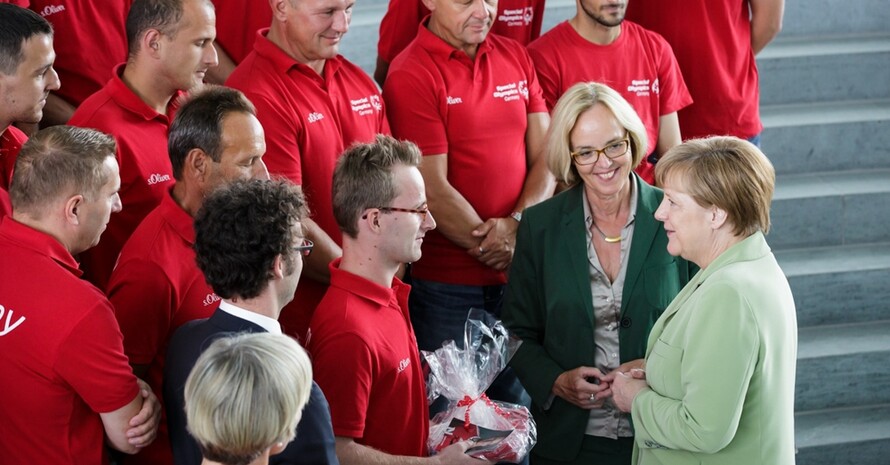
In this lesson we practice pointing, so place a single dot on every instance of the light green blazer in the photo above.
(720, 364)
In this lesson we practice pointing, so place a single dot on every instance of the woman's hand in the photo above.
(584, 387)
(634, 368)
(624, 389)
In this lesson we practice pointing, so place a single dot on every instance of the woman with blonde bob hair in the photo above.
(720, 362)
(244, 397)
(589, 277)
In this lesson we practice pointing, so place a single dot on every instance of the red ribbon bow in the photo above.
(468, 402)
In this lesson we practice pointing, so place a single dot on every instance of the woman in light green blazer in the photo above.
(720, 361)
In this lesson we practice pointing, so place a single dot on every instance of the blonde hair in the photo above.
(578, 99)
(727, 172)
(245, 394)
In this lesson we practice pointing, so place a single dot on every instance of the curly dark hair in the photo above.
(239, 231)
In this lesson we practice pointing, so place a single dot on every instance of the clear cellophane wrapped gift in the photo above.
(499, 431)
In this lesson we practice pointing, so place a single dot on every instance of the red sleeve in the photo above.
(413, 108)
(11, 141)
(548, 76)
(399, 26)
(142, 297)
(536, 101)
(673, 94)
(283, 153)
(92, 361)
(537, 19)
(342, 367)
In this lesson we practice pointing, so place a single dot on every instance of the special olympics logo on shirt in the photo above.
(655, 88)
(511, 91)
(375, 102)
(528, 15)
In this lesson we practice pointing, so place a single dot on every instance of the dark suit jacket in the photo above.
(314, 444)
(549, 304)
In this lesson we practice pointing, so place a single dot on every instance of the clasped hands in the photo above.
(588, 388)
(497, 240)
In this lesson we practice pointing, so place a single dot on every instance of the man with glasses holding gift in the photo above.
(471, 102)
(364, 354)
(250, 246)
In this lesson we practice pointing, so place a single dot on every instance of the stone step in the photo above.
(832, 208)
(833, 17)
(843, 365)
(854, 436)
(811, 69)
(838, 285)
(827, 136)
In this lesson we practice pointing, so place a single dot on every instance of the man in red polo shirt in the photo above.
(67, 386)
(170, 50)
(597, 44)
(715, 43)
(90, 41)
(156, 286)
(313, 103)
(519, 20)
(364, 355)
(472, 103)
(26, 78)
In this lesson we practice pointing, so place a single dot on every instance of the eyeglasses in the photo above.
(588, 155)
(305, 248)
(422, 212)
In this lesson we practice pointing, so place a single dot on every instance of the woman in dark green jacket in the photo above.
(590, 275)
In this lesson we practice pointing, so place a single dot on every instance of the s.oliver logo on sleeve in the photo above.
(158, 178)
(6, 324)
(512, 91)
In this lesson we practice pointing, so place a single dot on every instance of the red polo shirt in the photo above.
(61, 356)
(146, 173)
(237, 22)
(11, 141)
(712, 41)
(89, 39)
(309, 121)
(156, 288)
(365, 359)
(639, 64)
(477, 113)
(519, 20)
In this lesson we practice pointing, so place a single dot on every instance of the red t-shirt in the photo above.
(309, 121)
(365, 359)
(90, 39)
(639, 64)
(156, 288)
(712, 42)
(476, 112)
(11, 141)
(519, 20)
(61, 356)
(146, 173)
(237, 22)
(21, 3)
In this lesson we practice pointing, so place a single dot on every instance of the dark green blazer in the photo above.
(549, 304)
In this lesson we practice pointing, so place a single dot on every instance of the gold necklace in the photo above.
(609, 239)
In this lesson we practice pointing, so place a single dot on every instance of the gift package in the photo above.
(498, 431)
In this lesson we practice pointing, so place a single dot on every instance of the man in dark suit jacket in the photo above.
(249, 244)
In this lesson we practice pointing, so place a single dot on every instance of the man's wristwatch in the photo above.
(516, 216)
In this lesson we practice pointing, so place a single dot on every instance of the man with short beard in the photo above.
(598, 44)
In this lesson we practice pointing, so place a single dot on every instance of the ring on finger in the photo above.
(593, 397)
